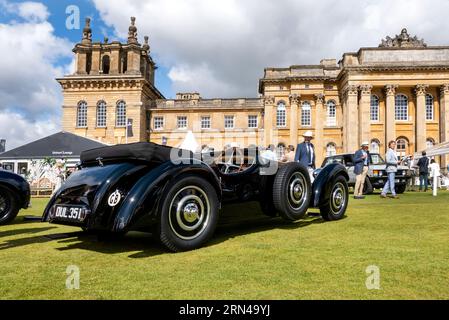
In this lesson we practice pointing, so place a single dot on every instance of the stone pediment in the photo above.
(403, 40)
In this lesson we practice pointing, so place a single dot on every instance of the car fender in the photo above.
(144, 197)
(18, 185)
(324, 182)
(105, 178)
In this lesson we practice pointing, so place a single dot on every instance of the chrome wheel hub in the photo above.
(338, 198)
(297, 190)
(189, 213)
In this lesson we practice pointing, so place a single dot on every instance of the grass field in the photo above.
(249, 258)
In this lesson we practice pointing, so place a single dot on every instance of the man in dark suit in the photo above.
(305, 153)
(361, 166)
(423, 165)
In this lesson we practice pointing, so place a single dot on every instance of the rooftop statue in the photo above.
(404, 40)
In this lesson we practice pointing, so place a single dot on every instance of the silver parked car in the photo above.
(377, 175)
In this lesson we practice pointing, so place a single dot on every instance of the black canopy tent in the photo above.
(61, 145)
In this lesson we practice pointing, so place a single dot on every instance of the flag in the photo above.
(129, 128)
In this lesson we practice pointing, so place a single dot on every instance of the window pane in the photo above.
(120, 120)
(429, 107)
(401, 108)
(81, 116)
(158, 123)
(281, 115)
(374, 111)
(306, 116)
(205, 122)
(252, 122)
(331, 114)
(182, 122)
(101, 114)
(229, 122)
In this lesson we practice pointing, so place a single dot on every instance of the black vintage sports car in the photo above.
(177, 195)
(14, 195)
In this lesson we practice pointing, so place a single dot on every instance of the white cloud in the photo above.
(231, 42)
(29, 64)
(18, 130)
(28, 10)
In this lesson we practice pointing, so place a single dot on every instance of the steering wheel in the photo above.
(227, 167)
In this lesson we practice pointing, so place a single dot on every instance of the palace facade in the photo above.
(397, 91)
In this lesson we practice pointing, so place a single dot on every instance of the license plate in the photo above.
(70, 213)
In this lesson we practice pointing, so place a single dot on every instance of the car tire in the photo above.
(336, 207)
(367, 187)
(9, 205)
(292, 191)
(400, 189)
(189, 213)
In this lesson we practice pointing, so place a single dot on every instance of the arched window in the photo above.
(331, 114)
(306, 114)
(430, 143)
(281, 115)
(331, 149)
(401, 108)
(106, 63)
(81, 115)
(101, 114)
(429, 107)
(374, 110)
(402, 147)
(120, 114)
(375, 146)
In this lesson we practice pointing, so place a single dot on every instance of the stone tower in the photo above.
(109, 96)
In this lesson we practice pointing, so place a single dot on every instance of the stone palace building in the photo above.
(396, 91)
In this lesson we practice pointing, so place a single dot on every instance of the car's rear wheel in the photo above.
(9, 206)
(400, 189)
(292, 191)
(189, 213)
(338, 201)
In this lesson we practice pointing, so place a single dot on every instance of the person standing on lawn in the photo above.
(305, 153)
(361, 166)
(392, 167)
(435, 173)
(423, 165)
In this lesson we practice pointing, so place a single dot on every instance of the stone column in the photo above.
(294, 119)
(268, 120)
(364, 113)
(95, 70)
(351, 119)
(319, 126)
(444, 118)
(390, 122)
(421, 135)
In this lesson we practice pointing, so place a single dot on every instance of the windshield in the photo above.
(376, 159)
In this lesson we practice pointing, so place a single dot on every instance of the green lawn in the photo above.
(253, 258)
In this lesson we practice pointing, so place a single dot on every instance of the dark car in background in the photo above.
(143, 187)
(377, 175)
(14, 195)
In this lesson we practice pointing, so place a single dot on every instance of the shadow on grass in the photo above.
(230, 226)
(16, 232)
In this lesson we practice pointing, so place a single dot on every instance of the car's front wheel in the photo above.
(9, 207)
(189, 213)
(338, 201)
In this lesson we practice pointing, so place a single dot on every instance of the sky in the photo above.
(216, 47)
